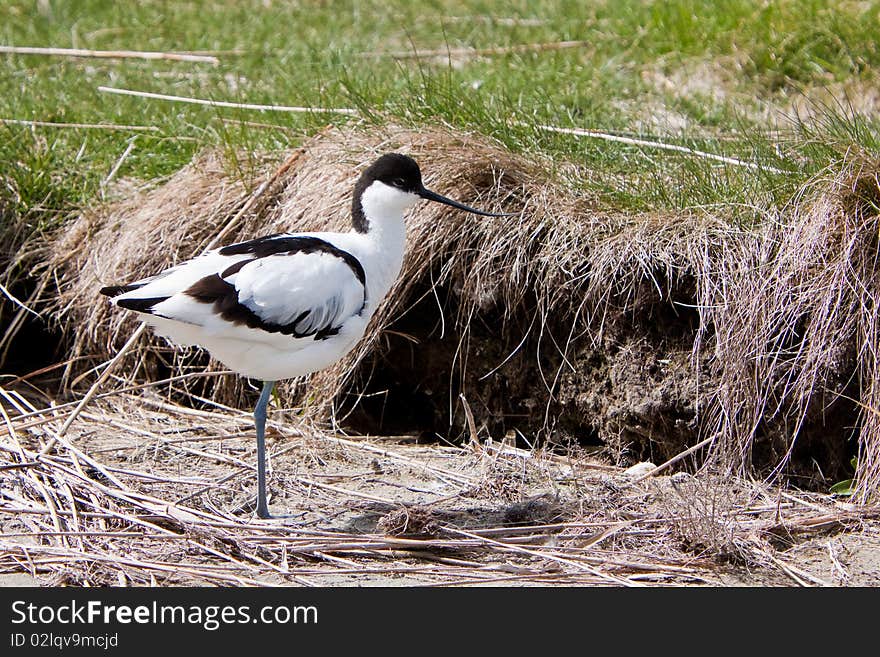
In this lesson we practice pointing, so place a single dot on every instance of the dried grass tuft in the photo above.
(767, 333)
(796, 328)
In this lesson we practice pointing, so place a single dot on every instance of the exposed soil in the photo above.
(637, 388)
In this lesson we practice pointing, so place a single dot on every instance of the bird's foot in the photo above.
(263, 514)
(285, 518)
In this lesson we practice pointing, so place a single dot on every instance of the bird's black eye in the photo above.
(398, 182)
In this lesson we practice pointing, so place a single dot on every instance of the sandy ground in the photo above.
(18, 579)
(364, 511)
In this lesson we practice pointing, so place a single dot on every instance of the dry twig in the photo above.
(480, 52)
(223, 103)
(109, 54)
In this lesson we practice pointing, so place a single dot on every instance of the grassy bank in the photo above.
(724, 81)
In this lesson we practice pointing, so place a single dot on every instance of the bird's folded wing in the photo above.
(302, 293)
(294, 293)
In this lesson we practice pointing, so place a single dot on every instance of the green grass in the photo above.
(753, 58)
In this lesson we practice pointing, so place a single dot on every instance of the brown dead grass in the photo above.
(146, 492)
(787, 328)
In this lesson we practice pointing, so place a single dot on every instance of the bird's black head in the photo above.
(401, 173)
(395, 170)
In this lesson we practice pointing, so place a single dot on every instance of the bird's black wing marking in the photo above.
(277, 244)
(234, 269)
(214, 289)
(116, 290)
(260, 247)
(223, 295)
(141, 305)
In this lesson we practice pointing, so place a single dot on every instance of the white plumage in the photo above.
(277, 289)
(287, 305)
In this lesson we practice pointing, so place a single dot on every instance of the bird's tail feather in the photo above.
(116, 290)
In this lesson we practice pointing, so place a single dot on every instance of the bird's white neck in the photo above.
(385, 238)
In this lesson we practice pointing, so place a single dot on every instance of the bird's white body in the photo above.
(280, 287)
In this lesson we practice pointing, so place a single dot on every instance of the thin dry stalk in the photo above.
(108, 370)
(6, 293)
(481, 52)
(81, 126)
(223, 103)
(109, 54)
(645, 143)
(675, 459)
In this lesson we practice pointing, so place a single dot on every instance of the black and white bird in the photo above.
(286, 305)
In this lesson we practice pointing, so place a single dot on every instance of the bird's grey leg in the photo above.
(260, 423)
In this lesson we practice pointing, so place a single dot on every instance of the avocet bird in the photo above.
(290, 304)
